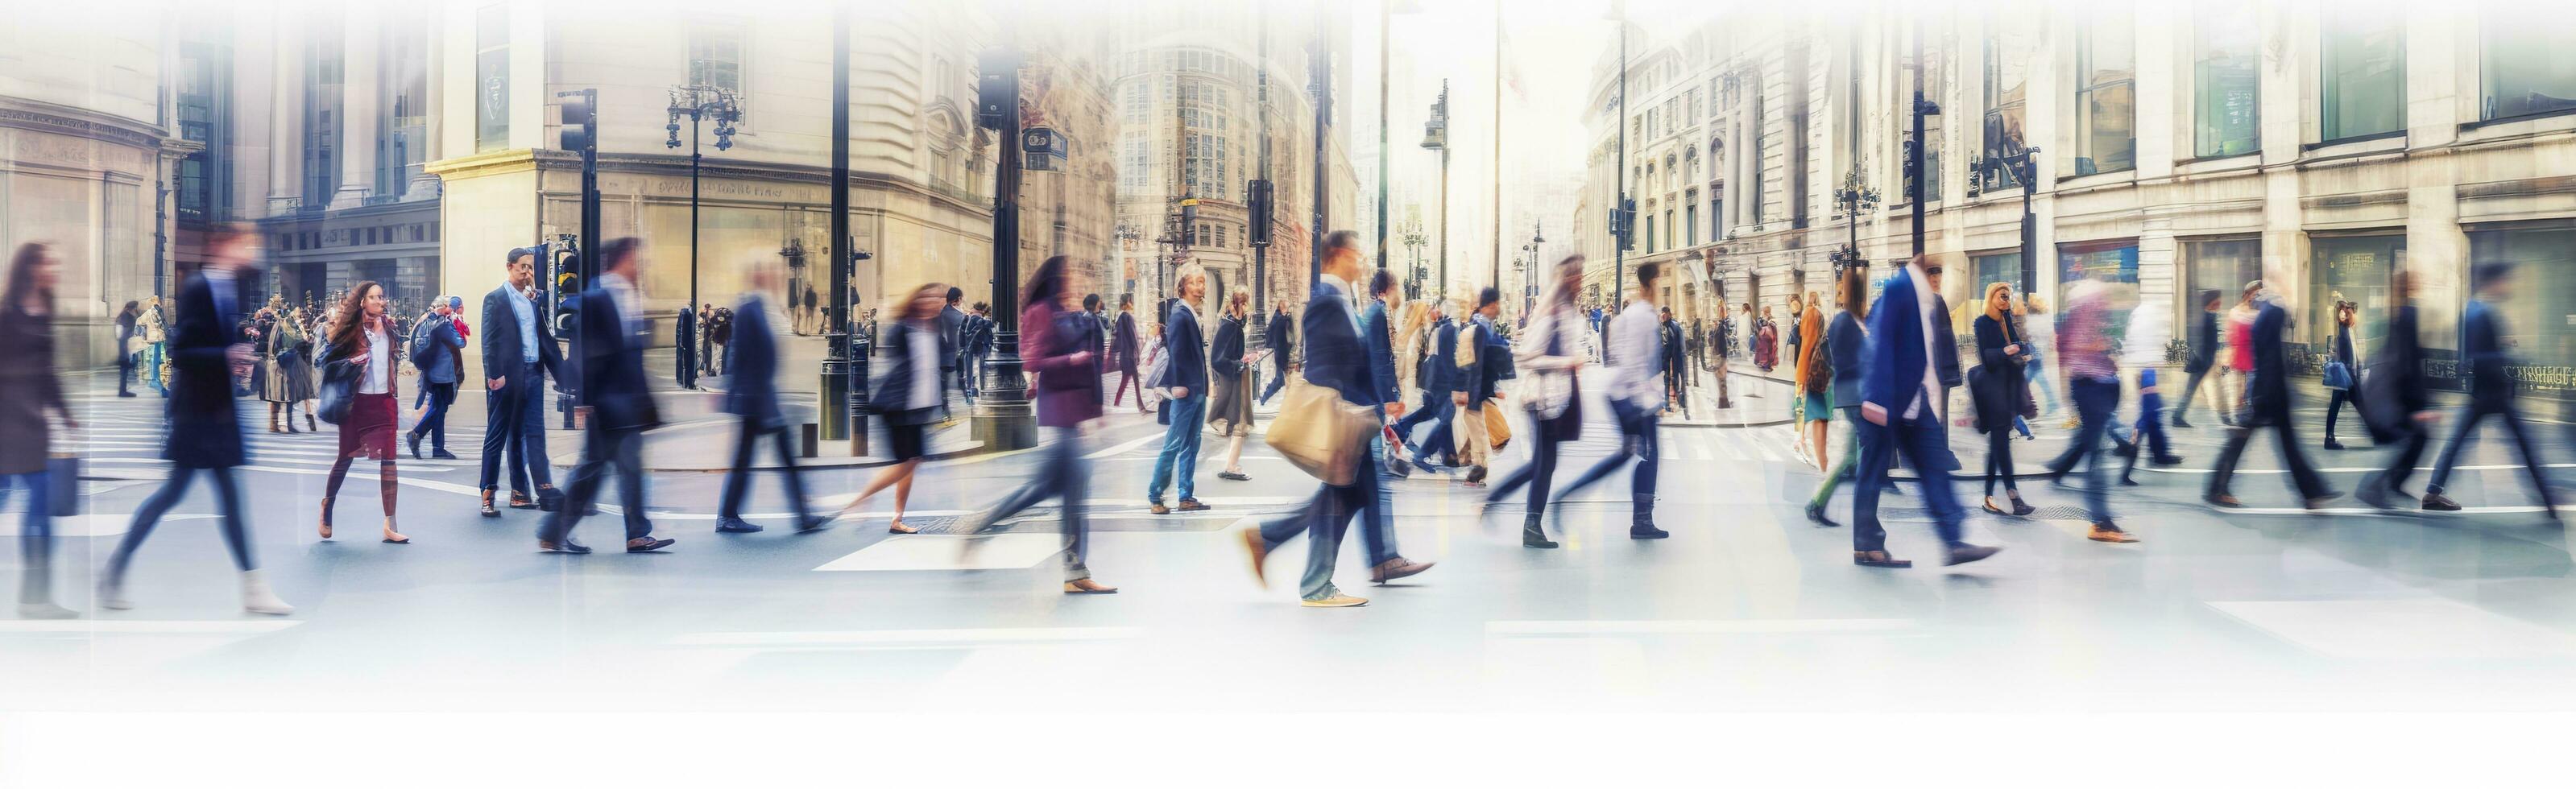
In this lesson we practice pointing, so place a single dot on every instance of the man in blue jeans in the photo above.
(2093, 382)
(518, 353)
(1187, 377)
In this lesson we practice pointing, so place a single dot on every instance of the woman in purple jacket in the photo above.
(1057, 345)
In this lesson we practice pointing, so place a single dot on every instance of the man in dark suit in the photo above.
(1281, 337)
(439, 352)
(1481, 361)
(1187, 377)
(952, 343)
(2398, 405)
(2267, 404)
(2491, 389)
(205, 432)
(753, 396)
(1945, 358)
(518, 353)
(1900, 416)
(1377, 330)
(611, 349)
(684, 348)
(2204, 357)
(1676, 362)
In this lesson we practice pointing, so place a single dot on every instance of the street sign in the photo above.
(1044, 148)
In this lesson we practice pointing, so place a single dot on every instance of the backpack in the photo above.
(1820, 369)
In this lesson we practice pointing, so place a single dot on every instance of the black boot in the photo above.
(1641, 526)
(1532, 536)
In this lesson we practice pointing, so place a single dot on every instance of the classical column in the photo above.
(433, 145)
(361, 102)
(286, 116)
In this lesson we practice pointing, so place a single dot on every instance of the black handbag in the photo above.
(339, 386)
(62, 476)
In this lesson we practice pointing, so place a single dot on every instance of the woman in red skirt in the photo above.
(364, 338)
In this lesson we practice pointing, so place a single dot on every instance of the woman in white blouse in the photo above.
(363, 338)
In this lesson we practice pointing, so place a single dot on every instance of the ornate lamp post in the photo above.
(1855, 196)
(700, 103)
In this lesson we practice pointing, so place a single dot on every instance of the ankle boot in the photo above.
(309, 424)
(1532, 536)
(258, 599)
(272, 419)
(36, 596)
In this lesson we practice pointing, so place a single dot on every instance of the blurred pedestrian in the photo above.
(1997, 391)
(2152, 440)
(752, 395)
(205, 429)
(1638, 371)
(2342, 372)
(1550, 356)
(1433, 376)
(1230, 368)
(610, 348)
(2093, 381)
(287, 354)
(904, 398)
(1813, 382)
(952, 349)
(2039, 330)
(2400, 406)
(1123, 347)
(1675, 364)
(684, 347)
(1484, 361)
(362, 350)
(128, 347)
(2203, 358)
(1900, 417)
(438, 350)
(2487, 354)
(1377, 335)
(155, 328)
(1186, 375)
(2267, 404)
(1846, 342)
(1281, 337)
(30, 391)
(1058, 344)
(722, 338)
(518, 353)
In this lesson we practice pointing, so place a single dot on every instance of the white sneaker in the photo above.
(111, 595)
(257, 599)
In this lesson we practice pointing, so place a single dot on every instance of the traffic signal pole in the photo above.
(841, 389)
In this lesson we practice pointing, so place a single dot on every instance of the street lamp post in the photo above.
(700, 103)
(1853, 198)
(2023, 165)
(1435, 136)
(1529, 290)
(1413, 241)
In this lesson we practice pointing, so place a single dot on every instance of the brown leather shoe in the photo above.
(1159, 509)
(1252, 544)
(1088, 586)
(1395, 568)
(488, 510)
(1193, 505)
(520, 501)
(2105, 532)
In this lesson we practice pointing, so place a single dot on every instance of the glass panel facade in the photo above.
(2539, 317)
(2364, 87)
(2007, 77)
(492, 77)
(2354, 269)
(2225, 96)
(2524, 68)
(1997, 267)
(2106, 138)
(2114, 263)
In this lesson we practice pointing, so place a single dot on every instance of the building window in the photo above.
(2004, 267)
(1933, 87)
(2364, 83)
(1668, 228)
(2007, 74)
(492, 77)
(1690, 221)
(2525, 67)
(2114, 263)
(403, 118)
(2354, 269)
(715, 55)
(1717, 219)
(1650, 233)
(205, 177)
(2226, 119)
(2106, 92)
(2532, 318)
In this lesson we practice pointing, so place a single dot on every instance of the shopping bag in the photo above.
(1320, 433)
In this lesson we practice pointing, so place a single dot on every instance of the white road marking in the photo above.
(1579, 627)
(881, 638)
(178, 627)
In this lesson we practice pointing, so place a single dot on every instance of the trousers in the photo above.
(737, 481)
(2479, 409)
(227, 499)
(1065, 477)
(603, 449)
(514, 422)
(1324, 520)
(1920, 444)
(1180, 455)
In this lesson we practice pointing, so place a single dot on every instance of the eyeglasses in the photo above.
(1934, 271)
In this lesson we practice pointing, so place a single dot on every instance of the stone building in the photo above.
(2181, 147)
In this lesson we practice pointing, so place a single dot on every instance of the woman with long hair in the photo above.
(1230, 411)
(1845, 341)
(1999, 392)
(906, 397)
(290, 373)
(1814, 385)
(364, 341)
(1549, 354)
(1059, 345)
(29, 392)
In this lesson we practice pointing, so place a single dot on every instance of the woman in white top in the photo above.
(363, 338)
(1547, 357)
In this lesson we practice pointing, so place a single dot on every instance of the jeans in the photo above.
(514, 418)
(1325, 520)
(2334, 408)
(1377, 534)
(968, 365)
(1638, 439)
(227, 497)
(2467, 427)
(434, 423)
(2095, 403)
(1278, 377)
(1180, 447)
(2045, 384)
(602, 448)
(2402, 465)
(2303, 476)
(2191, 389)
(1851, 458)
(1062, 476)
(36, 535)
(1920, 443)
(737, 479)
(1542, 466)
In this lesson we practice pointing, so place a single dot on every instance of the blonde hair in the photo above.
(1181, 277)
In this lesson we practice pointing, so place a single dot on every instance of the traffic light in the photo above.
(997, 87)
(580, 120)
(565, 282)
(1189, 221)
(1257, 203)
(1624, 223)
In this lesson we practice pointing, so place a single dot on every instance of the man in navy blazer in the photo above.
(753, 396)
(621, 408)
(1901, 415)
(1187, 377)
(2267, 404)
(518, 353)
(1377, 534)
(2486, 356)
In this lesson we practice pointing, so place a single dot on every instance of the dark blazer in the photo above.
(1336, 357)
(1895, 358)
(1188, 350)
(501, 351)
(684, 332)
(1849, 346)
(28, 389)
(952, 327)
(1998, 394)
(203, 430)
(1380, 338)
(1052, 341)
(2268, 393)
(446, 361)
(1226, 353)
(893, 395)
(753, 393)
(1674, 349)
(2204, 344)
(1281, 337)
(612, 367)
(1442, 366)
(2482, 352)
(1945, 344)
(1122, 343)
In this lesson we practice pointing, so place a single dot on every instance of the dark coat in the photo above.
(2482, 354)
(1122, 343)
(2204, 344)
(612, 368)
(1336, 357)
(753, 394)
(2267, 394)
(1380, 337)
(1848, 344)
(684, 332)
(2000, 383)
(1442, 366)
(2393, 387)
(952, 335)
(28, 389)
(1894, 369)
(1052, 343)
(893, 395)
(1945, 345)
(1225, 354)
(1282, 336)
(1188, 350)
(501, 351)
(204, 432)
